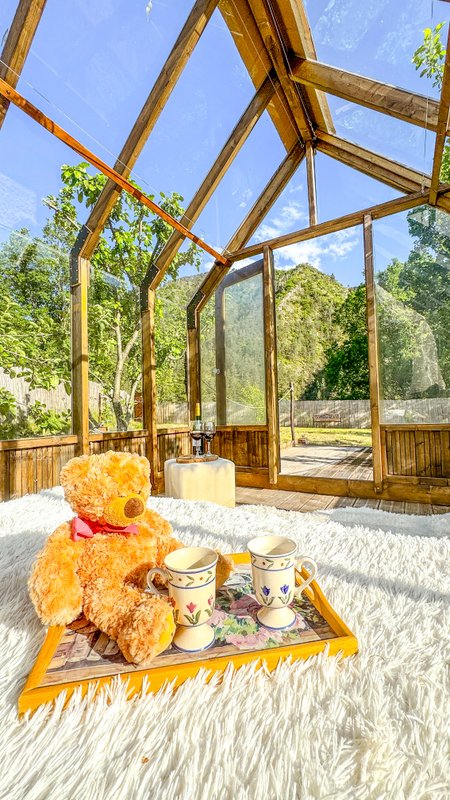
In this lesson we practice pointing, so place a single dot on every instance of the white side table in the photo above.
(207, 480)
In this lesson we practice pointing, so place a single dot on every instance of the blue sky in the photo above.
(93, 62)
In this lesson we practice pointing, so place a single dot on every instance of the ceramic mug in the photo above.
(190, 573)
(274, 562)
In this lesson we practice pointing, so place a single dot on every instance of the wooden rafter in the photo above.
(231, 148)
(442, 126)
(400, 177)
(247, 38)
(399, 103)
(311, 181)
(298, 38)
(268, 26)
(11, 94)
(17, 44)
(149, 115)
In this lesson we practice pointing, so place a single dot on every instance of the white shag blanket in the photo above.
(373, 726)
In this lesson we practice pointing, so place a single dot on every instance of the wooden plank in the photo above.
(373, 353)
(233, 145)
(179, 56)
(330, 226)
(247, 38)
(271, 382)
(41, 441)
(80, 357)
(311, 181)
(194, 368)
(400, 177)
(442, 126)
(445, 449)
(294, 24)
(11, 94)
(149, 397)
(268, 26)
(17, 44)
(400, 103)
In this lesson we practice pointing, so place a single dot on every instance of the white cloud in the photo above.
(334, 246)
(18, 205)
(291, 216)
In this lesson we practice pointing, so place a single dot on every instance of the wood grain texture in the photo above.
(80, 358)
(311, 184)
(17, 44)
(151, 110)
(418, 452)
(407, 106)
(373, 353)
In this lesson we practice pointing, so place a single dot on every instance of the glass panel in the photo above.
(232, 354)
(95, 80)
(239, 188)
(211, 94)
(35, 241)
(412, 263)
(170, 346)
(289, 212)
(408, 144)
(7, 11)
(356, 190)
(323, 357)
(376, 38)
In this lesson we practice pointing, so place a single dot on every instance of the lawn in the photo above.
(356, 437)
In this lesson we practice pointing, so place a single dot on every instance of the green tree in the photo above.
(35, 277)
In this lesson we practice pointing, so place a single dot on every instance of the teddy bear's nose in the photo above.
(133, 507)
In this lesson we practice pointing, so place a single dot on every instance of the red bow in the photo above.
(86, 528)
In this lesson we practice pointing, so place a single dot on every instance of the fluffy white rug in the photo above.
(372, 726)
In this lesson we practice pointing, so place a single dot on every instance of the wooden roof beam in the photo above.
(179, 56)
(395, 102)
(235, 141)
(400, 177)
(298, 38)
(17, 44)
(270, 32)
(442, 126)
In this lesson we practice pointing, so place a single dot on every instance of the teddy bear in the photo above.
(97, 563)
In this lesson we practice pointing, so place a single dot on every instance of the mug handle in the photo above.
(163, 573)
(313, 572)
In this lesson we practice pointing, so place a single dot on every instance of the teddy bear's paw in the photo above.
(147, 630)
(224, 568)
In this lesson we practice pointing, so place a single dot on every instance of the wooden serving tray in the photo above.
(80, 655)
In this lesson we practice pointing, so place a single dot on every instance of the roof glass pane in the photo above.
(289, 212)
(376, 38)
(94, 81)
(400, 141)
(342, 189)
(7, 11)
(241, 186)
(198, 117)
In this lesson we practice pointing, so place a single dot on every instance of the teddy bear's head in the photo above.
(111, 487)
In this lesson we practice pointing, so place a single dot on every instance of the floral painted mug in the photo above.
(274, 562)
(191, 576)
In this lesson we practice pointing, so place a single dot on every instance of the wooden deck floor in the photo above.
(328, 462)
(300, 501)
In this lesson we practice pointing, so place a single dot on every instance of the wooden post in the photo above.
(149, 400)
(270, 336)
(373, 355)
(221, 378)
(79, 283)
(291, 412)
(311, 179)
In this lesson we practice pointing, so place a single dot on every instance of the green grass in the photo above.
(356, 437)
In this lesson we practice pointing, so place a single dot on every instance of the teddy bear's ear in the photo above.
(74, 471)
